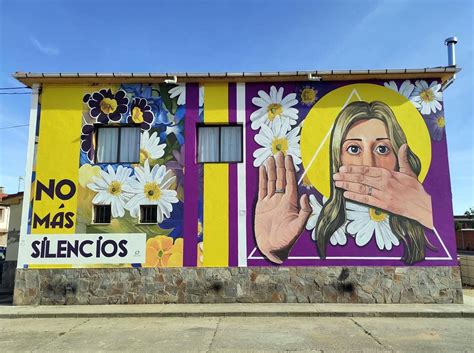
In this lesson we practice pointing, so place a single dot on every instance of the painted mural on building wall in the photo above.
(333, 173)
(156, 180)
(357, 183)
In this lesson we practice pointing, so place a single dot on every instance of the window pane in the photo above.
(102, 214)
(208, 144)
(231, 144)
(149, 214)
(107, 140)
(130, 145)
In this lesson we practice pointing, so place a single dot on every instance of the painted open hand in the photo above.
(278, 219)
(399, 192)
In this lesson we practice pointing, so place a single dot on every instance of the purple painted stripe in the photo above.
(251, 174)
(233, 207)
(191, 176)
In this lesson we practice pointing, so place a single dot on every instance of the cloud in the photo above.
(43, 48)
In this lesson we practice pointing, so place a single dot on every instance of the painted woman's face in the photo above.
(367, 143)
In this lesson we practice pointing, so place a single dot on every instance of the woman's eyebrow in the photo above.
(381, 138)
(352, 140)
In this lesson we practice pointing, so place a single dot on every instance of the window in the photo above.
(219, 143)
(148, 214)
(102, 213)
(118, 144)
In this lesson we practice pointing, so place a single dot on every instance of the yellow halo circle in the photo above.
(317, 128)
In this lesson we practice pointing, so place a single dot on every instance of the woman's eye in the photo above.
(382, 149)
(353, 149)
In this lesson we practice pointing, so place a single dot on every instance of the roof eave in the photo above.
(443, 73)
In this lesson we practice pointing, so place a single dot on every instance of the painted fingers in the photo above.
(367, 185)
(291, 184)
(366, 200)
(277, 176)
(403, 162)
(262, 183)
(280, 172)
(357, 182)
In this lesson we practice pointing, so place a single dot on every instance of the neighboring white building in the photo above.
(4, 217)
(10, 220)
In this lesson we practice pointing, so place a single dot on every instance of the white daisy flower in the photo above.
(427, 98)
(274, 108)
(150, 146)
(406, 88)
(151, 187)
(275, 139)
(112, 189)
(201, 96)
(338, 238)
(180, 92)
(365, 221)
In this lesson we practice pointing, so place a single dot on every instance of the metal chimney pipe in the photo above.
(451, 42)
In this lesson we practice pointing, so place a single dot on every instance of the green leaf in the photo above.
(169, 103)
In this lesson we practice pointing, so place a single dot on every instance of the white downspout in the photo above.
(30, 154)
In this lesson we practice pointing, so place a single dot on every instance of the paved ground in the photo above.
(220, 328)
(233, 334)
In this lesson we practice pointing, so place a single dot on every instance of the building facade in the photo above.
(296, 187)
(10, 220)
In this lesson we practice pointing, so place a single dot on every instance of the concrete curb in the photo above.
(254, 314)
(241, 310)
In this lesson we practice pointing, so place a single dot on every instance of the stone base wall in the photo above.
(245, 285)
(467, 268)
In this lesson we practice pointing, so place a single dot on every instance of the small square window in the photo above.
(149, 214)
(219, 143)
(118, 144)
(102, 213)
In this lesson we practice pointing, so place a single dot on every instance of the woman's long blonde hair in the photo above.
(333, 214)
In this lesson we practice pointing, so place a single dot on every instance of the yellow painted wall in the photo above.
(58, 152)
(216, 185)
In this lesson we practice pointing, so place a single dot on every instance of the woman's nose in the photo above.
(368, 159)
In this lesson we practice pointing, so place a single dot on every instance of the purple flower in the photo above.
(86, 140)
(178, 164)
(105, 105)
(436, 125)
(141, 113)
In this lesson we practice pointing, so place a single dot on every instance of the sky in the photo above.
(235, 36)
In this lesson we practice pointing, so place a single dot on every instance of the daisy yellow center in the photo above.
(144, 155)
(274, 110)
(115, 188)
(427, 95)
(440, 121)
(137, 115)
(108, 106)
(280, 144)
(308, 95)
(377, 215)
(152, 191)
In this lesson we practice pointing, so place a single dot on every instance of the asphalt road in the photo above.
(237, 334)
